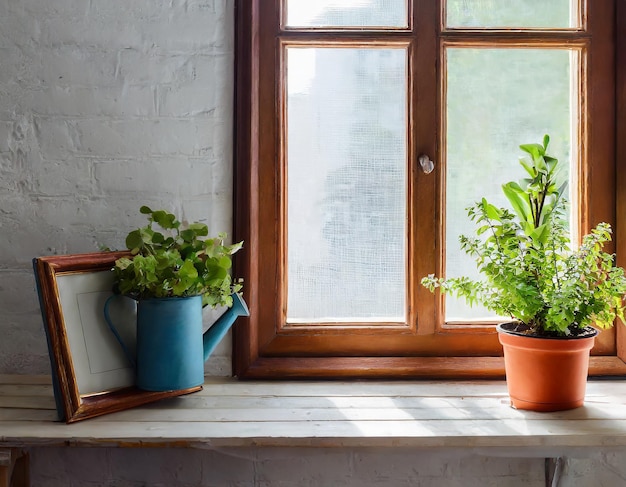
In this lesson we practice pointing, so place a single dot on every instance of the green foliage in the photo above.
(530, 271)
(176, 262)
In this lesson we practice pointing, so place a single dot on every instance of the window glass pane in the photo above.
(512, 13)
(346, 183)
(347, 13)
(498, 99)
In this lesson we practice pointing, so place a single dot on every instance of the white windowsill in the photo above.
(231, 413)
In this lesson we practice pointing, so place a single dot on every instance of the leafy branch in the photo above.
(529, 269)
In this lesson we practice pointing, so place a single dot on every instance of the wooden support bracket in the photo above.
(13, 468)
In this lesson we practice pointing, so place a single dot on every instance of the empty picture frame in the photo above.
(91, 375)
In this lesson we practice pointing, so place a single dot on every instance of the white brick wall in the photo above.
(109, 104)
(308, 467)
(106, 105)
(301, 467)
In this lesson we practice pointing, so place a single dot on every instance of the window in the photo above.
(336, 101)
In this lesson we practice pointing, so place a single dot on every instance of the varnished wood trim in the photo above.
(14, 468)
(444, 368)
(512, 42)
(258, 178)
(377, 367)
(285, 42)
(246, 218)
(598, 142)
(282, 175)
(424, 207)
(620, 160)
(382, 39)
(606, 366)
(46, 269)
(95, 405)
(524, 35)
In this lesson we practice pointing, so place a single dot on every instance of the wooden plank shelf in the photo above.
(231, 413)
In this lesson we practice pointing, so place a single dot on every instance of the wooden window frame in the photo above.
(261, 349)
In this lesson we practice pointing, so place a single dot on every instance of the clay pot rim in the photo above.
(504, 328)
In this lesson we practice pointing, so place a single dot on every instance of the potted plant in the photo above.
(555, 294)
(173, 273)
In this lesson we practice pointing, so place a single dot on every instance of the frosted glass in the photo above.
(512, 13)
(346, 184)
(347, 13)
(498, 99)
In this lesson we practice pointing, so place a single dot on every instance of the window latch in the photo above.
(426, 164)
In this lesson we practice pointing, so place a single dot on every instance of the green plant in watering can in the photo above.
(175, 270)
(180, 260)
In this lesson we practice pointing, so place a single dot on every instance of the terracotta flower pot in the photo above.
(545, 374)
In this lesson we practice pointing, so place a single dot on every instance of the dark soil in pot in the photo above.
(518, 328)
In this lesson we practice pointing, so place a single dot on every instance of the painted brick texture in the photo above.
(301, 467)
(309, 467)
(106, 105)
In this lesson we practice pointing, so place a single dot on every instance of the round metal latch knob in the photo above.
(426, 164)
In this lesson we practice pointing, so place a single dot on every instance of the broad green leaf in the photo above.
(179, 288)
(134, 240)
(528, 166)
(164, 219)
(491, 211)
(123, 262)
(551, 162)
(482, 229)
(535, 150)
(235, 247)
(200, 229)
(540, 234)
(188, 270)
(146, 234)
(187, 235)
(540, 164)
(518, 199)
(225, 262)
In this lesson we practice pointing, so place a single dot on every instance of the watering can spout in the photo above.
(216, 332)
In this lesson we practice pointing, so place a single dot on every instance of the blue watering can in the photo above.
(171, 348)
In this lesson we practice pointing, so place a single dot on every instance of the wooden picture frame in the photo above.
(91, 376)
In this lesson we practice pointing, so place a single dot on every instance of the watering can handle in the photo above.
(107, 318)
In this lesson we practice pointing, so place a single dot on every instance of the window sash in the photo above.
(266, 346)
